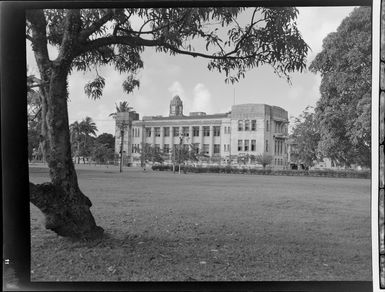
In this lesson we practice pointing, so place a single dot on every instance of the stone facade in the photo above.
(248, 129)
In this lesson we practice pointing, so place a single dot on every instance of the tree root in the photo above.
(67, 213)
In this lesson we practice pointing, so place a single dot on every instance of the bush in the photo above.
(267, 171)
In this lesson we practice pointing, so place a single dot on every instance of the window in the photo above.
(196, 148)
(224, 147)
(196, 131)
(267, 145)
(206, 148)
(148, 132)
(267, 126)
(240, 125)
(225, 130)
(253, 145)
(228, 130)
(185, 147)
(253, 125)
(157, 132)
(166, 148)
(240, 145)
(246, 145)
(166, 131)
(217, 148)
(186, 131)
(247, 125)
(206, 131)
(175, 131)
(157, 147)
(217, 131)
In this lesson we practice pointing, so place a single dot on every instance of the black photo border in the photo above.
(14, 159)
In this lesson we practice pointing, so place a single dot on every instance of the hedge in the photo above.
(258, 171)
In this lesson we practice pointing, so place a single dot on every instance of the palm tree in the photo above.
(122, 107)
(88, 127)
(76, 132)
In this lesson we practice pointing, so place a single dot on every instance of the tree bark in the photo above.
(66, 208)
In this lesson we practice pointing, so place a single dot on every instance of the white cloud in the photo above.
(177, 89)
(202, 99)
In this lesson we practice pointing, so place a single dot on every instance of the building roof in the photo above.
(204, 117)
(176, 100)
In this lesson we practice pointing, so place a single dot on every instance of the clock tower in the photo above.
(176, 107)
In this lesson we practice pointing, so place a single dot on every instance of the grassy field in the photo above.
(162, 226)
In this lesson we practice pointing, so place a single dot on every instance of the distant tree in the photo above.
(306, 134)
(149, 153)
(123, 107)
(181, 154)
(106, 139)
(88, 127)
(242, 159)
(264, 159)
(87, 38)
(101, 153)
(344, 110)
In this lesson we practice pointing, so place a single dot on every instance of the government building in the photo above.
(248, 129)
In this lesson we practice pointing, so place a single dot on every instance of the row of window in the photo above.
(243, 145)
(246, 125)
(250, 125)
(279, 147)
(280, 128)
(250, 145)
(278, 161)
(185, 131)
(195, 147)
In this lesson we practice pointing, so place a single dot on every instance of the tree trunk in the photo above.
(66, 208)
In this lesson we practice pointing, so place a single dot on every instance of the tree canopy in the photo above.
(88, 38)
(121, 108)
(306, 135)
(344, 110)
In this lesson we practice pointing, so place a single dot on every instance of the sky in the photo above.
(164, 76)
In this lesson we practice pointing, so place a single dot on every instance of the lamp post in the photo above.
(181, 136)
(123, 125)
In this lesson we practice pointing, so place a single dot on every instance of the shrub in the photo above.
(266, 171)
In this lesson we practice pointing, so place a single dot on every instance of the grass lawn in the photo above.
(162, 226)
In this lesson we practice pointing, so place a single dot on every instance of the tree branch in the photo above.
(72, 26)
(85, 33)
(39, 35)
(137, 41)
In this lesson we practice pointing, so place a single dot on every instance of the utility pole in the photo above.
(180, 149)
(123, 126)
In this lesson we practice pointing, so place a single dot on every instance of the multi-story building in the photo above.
(248, 129)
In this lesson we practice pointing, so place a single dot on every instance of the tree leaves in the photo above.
(343, 112)
(130, 83)
(306, 134)
(94, 89)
